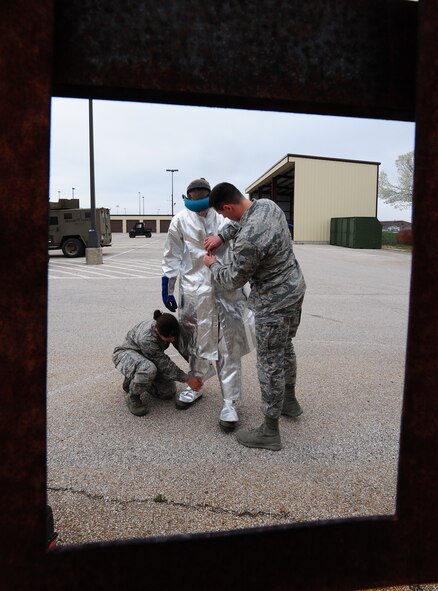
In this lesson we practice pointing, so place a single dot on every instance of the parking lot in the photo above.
(112, 475)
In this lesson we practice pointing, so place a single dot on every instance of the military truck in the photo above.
(139, 229)
(69, 227)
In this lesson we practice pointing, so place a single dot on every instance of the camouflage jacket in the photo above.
(143, 339)
(263, 255)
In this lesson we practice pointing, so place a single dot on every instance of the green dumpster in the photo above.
(356, 232)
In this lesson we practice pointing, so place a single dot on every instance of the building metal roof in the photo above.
(283, 168)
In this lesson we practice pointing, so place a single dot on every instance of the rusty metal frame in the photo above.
(365, 58)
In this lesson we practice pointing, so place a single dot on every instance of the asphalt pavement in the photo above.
(113, 476)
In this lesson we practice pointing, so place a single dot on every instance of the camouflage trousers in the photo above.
(143, 375)
(276, 360)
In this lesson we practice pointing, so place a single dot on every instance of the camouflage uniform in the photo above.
(141, 359)
(263, 254)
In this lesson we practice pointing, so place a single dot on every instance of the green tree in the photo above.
(400, 194)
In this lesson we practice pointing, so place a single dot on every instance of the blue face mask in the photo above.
(197, 204)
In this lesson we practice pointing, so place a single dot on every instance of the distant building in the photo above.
(312, 189)
(123, 223)
(396, 226)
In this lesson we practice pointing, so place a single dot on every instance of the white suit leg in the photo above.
(199, 367)
(230, 379)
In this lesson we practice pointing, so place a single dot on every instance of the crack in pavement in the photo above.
(284, 515)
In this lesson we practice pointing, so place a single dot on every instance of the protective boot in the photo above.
(267, 436)
(125, 385)
(291, 406)
(227, 426)
(228, 417)
(186, 398)
(136, 406)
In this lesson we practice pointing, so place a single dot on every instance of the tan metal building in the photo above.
(311, 190)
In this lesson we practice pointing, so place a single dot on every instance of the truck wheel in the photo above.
(148, 235)
(73, 248)
(132, 234)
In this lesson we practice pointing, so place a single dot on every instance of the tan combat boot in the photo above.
(136, 406)
(291, 406)
(267, 436)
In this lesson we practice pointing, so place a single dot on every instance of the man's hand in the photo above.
(209, 259)
(212, 242)
(194, 382)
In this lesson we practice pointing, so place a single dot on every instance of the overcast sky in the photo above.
(134, 144)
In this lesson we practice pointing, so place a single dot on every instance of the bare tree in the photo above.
(400, 194)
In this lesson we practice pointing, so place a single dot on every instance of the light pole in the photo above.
(117, 209)
(73, 192)
(59, 194)
(143, 204)
(172, 170)
(93, 239)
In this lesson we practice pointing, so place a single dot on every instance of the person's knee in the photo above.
(145, 372)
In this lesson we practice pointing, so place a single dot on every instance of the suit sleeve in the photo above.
(245, 261)
(173, 253)
(164, 363)
(228, 231)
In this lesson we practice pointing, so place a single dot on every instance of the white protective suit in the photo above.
(218, 322)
